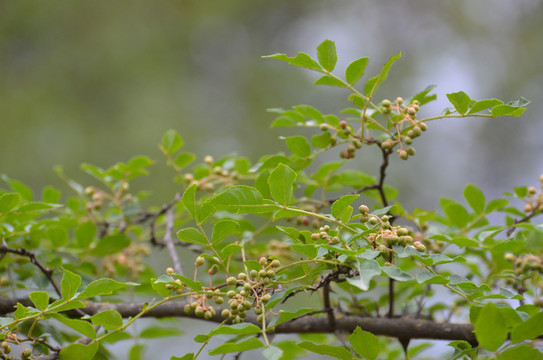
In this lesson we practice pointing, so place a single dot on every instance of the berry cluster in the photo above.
(327, 234)
(407, 127)
(214, 176)
(344, 131)
(387, 235)
(250, 291)
(534, 200)
(5, 350)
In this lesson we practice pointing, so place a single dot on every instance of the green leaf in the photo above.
(423, 97)
(483, 105)
(223, 229)
(507, 110)
(321, 140)
(373, 83)
(40, 299)
(103, 287)
(109, 319)
(193, 285)
(69, 284)
(242, 199)
(191, 235)
(183, 159)
(9, 201)
(428, 277)
(327, 55)
(50, 195)
(364, 343)
(340, 204)
(136, 352)
(396, 273)
(475, 198)
(110, 244)
(330, 81)
(189, 356)
(154, 332)
(81, 326)
(299, 145)
(460, 101)
(19, 187)
(84, 234)
(237, 329)
(79, 352)
(521, 352)
(189, 199)
(457, 214)
(367, 270)
(355, 70)
(281, 182)
(338, 352)
(490, 328)
(249, 344)
(529, 329)
(309, 250)
(172, 141)
(272, 353)
(288, 315)
(310, 112)
(301, 59)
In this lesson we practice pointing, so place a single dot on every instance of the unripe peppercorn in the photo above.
(326, 228)
(410, 151)
(403, 154)
(208, 315)
(276, 263)
(423, 126)
(231, 293)
(324, 127)
(6, 347)
(411, 112)
(199, 312)
(254, 274)
(263, 261)
(213, 270)
(187, 309)
(407, 140)
(218, 300)
(199, 261)
(247, 287)
(208, 159)
(357, 144)
(242, 276)
(363, 209)
(226, 313)
(509, 257)
(315, 236)
(232, 281)
(417, 131)
(169, 271)
(265, 298)
(386, 103)
(343, 124)
(387, 144)
(258, 310)
(26, 354)
(399, 100)
(261, 273)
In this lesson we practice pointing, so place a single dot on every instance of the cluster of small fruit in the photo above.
(534, 198)
(327, 234)
(5, 350)
(216, 176)
(387, 235)
(405, 119)
(345, 132)
(526, 263)
(251, 291)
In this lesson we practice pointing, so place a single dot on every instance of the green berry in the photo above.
(324, 127)
(363, 209)
(231, 293)
(263, 261)
(265, 298)
(403, 154)
(423, 126)
(276, 263)
(232, 281)
(214, 269)
(410, 151)
(226, 313)
(254, 274)
(386, 103)
(387, 144)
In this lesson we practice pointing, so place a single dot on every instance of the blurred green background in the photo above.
(101, 81)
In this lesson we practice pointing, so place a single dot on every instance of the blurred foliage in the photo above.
(98, 82)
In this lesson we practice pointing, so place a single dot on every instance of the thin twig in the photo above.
(168, 240)
(23, 252)
(327, 306)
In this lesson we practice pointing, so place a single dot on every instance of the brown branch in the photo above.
(4, 249)
(518, 221)
(327, 306)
